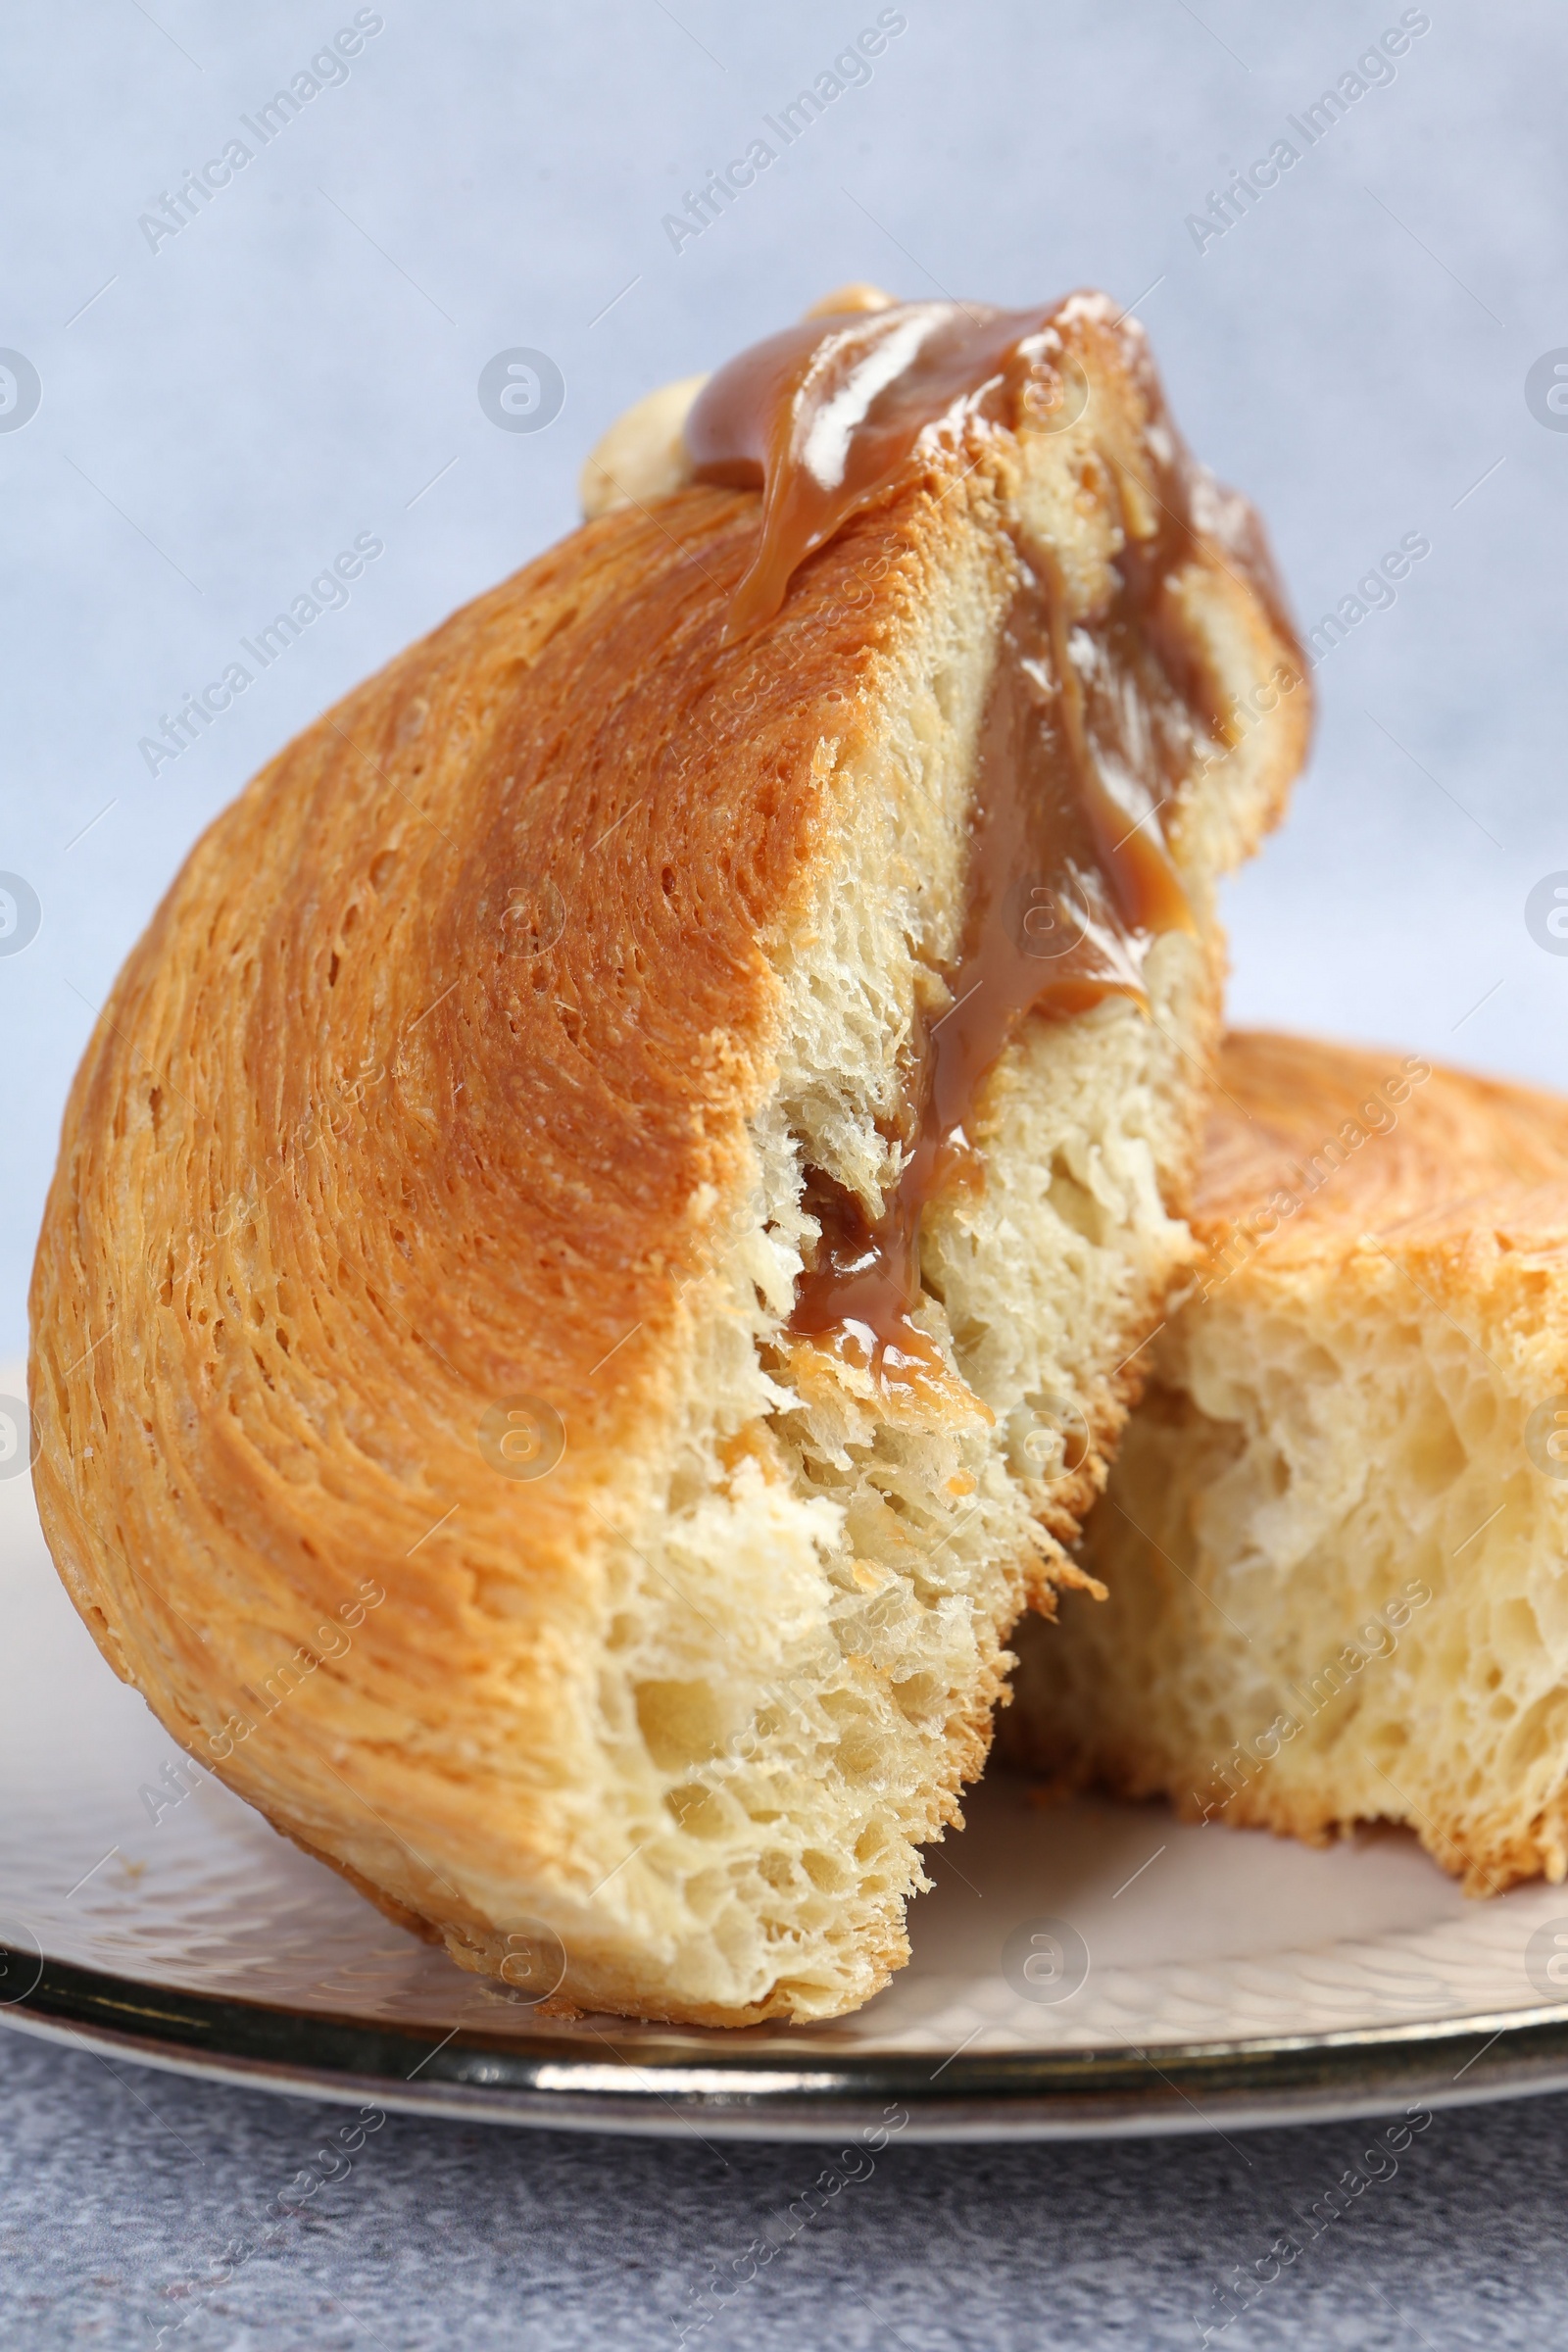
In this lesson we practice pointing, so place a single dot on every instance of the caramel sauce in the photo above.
(829, 414)
(1087, 733)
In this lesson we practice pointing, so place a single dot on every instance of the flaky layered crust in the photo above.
(419, 1094)
(428, 1099)
(1311, 1146)
(1337, 1539)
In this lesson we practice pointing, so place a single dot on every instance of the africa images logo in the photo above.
(21, 391)
(1545, 390)
(175, 209)
(851, 69)
(328, 592)
(1373, 70)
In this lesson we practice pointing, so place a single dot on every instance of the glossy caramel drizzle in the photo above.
(1083, 739)
(827, 416)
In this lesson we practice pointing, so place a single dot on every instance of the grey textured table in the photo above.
(119, 2196)
(224, 407)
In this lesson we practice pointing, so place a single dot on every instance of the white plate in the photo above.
(1079, 1968)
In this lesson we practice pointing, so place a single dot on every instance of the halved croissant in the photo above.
(428, 1426)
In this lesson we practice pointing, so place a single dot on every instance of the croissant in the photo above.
(603, 1235)
(1334, 1534)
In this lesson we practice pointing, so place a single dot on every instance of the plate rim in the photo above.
(1090, 2091)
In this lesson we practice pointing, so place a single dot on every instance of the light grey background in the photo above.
(300, 364)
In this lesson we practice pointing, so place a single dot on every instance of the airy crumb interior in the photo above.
(1336, 1576)
(808, 1628)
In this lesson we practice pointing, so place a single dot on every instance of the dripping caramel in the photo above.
(1068, 881)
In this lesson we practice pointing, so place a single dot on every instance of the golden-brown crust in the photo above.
(428, 1090)
(347, 1161)
(1362, 1140)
